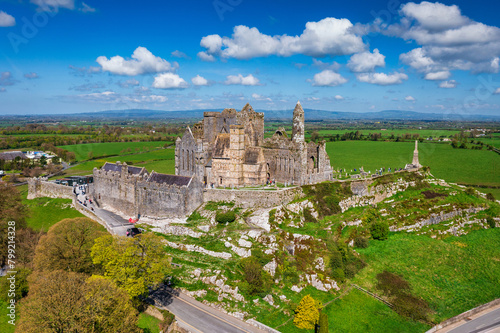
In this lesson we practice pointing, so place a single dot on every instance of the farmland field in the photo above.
(112, 148)
(455, 165)
(423, 133)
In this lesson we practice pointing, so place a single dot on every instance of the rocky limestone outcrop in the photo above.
(180, 231)
(196, 248)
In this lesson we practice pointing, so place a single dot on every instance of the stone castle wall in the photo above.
(253, 198)
(40, 187)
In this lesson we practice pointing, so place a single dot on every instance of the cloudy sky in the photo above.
(67, 56)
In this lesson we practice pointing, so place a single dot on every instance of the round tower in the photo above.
(298, 124)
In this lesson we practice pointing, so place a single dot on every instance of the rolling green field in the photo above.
(451, 284)
(5, 327)
(423, 133)
(161, 160)
(454, 165)
(112, 148)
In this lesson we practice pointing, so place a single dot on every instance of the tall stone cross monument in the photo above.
(415, 156)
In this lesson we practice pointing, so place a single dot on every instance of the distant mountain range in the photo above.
(310, 114)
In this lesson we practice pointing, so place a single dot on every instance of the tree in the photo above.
(67, 246)
(61, 301)
(20, 282)
(255, 276)
(314, 136)
(11, 209)
(323, 323)
(134, 264)
(379, 230)
(307, 313)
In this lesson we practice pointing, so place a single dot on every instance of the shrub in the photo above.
(491, 222)
(323, 323)
(257, 280)
(168, 318)
(392, 284)
(194, 216)
(490, 196)
(379, 230)
(361, 242)
(306, 314)
(470, 191)
(308, 216)
(226, 217)
(411, 307)
(338, 274)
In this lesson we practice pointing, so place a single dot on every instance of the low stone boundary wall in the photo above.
(464, 315)
(253, 198)
(262, 326)
(42, 188)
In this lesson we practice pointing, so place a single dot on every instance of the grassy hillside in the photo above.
(454, 165)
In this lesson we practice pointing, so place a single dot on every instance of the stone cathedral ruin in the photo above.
(225, 150)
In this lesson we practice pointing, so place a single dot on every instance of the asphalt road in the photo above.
(488, 323)
(198, 317)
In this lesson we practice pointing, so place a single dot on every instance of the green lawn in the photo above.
(454, 165)
(45, 212)
(112, 148)
(452, 275)
(162, 160)
(149, 324)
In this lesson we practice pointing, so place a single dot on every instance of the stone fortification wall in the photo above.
(253, 199)
(160, 200)
(112, 189)
(40, 187)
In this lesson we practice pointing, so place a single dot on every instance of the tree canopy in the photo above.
(67, 246)
(134, 264)
(307, 313)
(61, 301)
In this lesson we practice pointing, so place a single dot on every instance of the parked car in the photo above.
(131, 232)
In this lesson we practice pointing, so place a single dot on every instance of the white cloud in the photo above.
(449, 40)
(438, 76)
(54, 5)
(6, 79)
(248, 80)
(334, 66)
(129, 83)
(366, 61)
(497, 91)
(179, 54)
(329, 36)
(261, 98)
(111, 97)
(338, 97)
(448, 84)
(206, 57)
(410, 98)
(6, 20)
(382, 78)
(82, 71)
(86, 8)
(199, 81)
(169, 81)
(143, 61)
(328, 78)
(31, 75)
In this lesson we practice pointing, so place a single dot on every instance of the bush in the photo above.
(361, 242)
(323, 323)
(257, 280)
(308, 216)
(470, 191)
(490, 196)
(379, 230)
(226, 217)
(491, 222)
(194, 216)
(168, 318)
(338, 274)
(392, 284)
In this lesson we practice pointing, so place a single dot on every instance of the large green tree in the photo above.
(61, 301)
(67, 246)
(307, 313)
(11, 209)
(134, 264)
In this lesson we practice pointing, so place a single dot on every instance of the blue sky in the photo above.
(67, 56)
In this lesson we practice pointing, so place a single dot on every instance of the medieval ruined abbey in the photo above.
(229, 149)
(225, 150)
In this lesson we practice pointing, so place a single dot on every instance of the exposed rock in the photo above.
(238, 250)
(260, 218)
(296, 289)
(181, 231)
(269, 299)
(196, 248)
(327, 285)
(204, 228)
(243, 241)
(270, 267)
(320, 264)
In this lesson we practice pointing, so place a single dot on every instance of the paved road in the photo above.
(116, 223)
(198, 317)
(487, 323)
